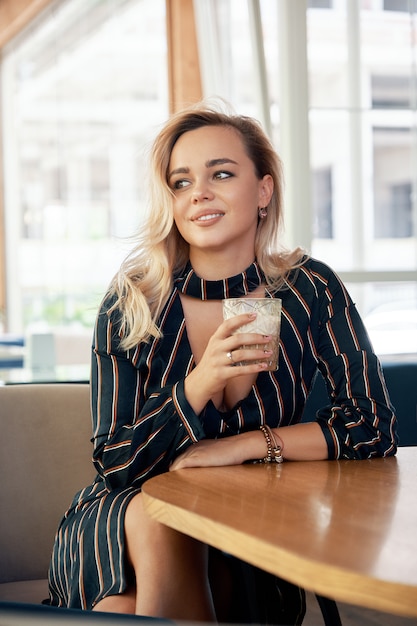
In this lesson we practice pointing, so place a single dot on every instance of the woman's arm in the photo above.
(138, 433)
(135, 435)
(300, 442)
(360, 421)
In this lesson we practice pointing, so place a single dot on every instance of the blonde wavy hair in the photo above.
(145, 279)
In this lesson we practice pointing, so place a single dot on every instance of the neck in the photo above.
(218, 266)
(233, 286)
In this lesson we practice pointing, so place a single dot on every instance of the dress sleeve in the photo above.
(135, 436)
(360, 422)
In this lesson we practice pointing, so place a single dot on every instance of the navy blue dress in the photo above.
(142, 420)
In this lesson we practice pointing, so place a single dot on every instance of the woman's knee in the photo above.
(141, 531)
(167, 565)
(147, 538)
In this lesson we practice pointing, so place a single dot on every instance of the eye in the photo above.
(223, 174)
(180, 184)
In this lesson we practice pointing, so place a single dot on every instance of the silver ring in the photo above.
(230, 356)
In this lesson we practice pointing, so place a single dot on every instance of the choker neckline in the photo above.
(233, 287)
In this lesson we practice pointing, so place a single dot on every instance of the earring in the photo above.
(262, 212)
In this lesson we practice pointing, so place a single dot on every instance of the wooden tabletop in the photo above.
(345, 529)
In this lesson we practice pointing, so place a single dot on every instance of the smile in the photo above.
(210, 216)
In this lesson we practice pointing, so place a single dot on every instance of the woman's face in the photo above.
(216, 192)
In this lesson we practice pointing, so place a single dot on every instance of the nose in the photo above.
(201, 193)
(198, 196)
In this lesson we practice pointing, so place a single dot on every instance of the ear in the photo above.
(266, 188)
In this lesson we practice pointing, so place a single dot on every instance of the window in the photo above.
(396, 5)
(320, 4)
(391, 92)
(322, 203)
(398, 218)
(352, 200)
(85, 88)
(393, 190)
(81, 101)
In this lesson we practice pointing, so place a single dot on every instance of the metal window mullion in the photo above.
(413, 96)
(11, 197)
(378, 276)
(355, 133)
(294, 124)
(260, 77)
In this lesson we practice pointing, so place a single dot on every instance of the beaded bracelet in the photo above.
(274, 451)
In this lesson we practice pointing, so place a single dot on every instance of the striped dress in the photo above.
(142, 420)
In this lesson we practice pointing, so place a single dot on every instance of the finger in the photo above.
(249, 356)
(231, 325)
(249, 339)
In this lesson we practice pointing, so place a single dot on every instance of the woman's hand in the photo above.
(223, 351)
(232, 450)
(300, 442)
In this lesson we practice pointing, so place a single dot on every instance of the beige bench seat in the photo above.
(45, 458)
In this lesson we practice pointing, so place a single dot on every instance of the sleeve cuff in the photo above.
(190, 420)
(333, 446)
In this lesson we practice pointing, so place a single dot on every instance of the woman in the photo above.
(166, 393)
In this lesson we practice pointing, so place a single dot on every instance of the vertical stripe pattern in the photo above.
(142, 419)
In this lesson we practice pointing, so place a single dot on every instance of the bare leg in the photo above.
(171, 568)
(121, 603)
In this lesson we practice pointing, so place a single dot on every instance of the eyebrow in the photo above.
(214, 162)
(208, 164)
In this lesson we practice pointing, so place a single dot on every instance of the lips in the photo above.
(206, 216)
